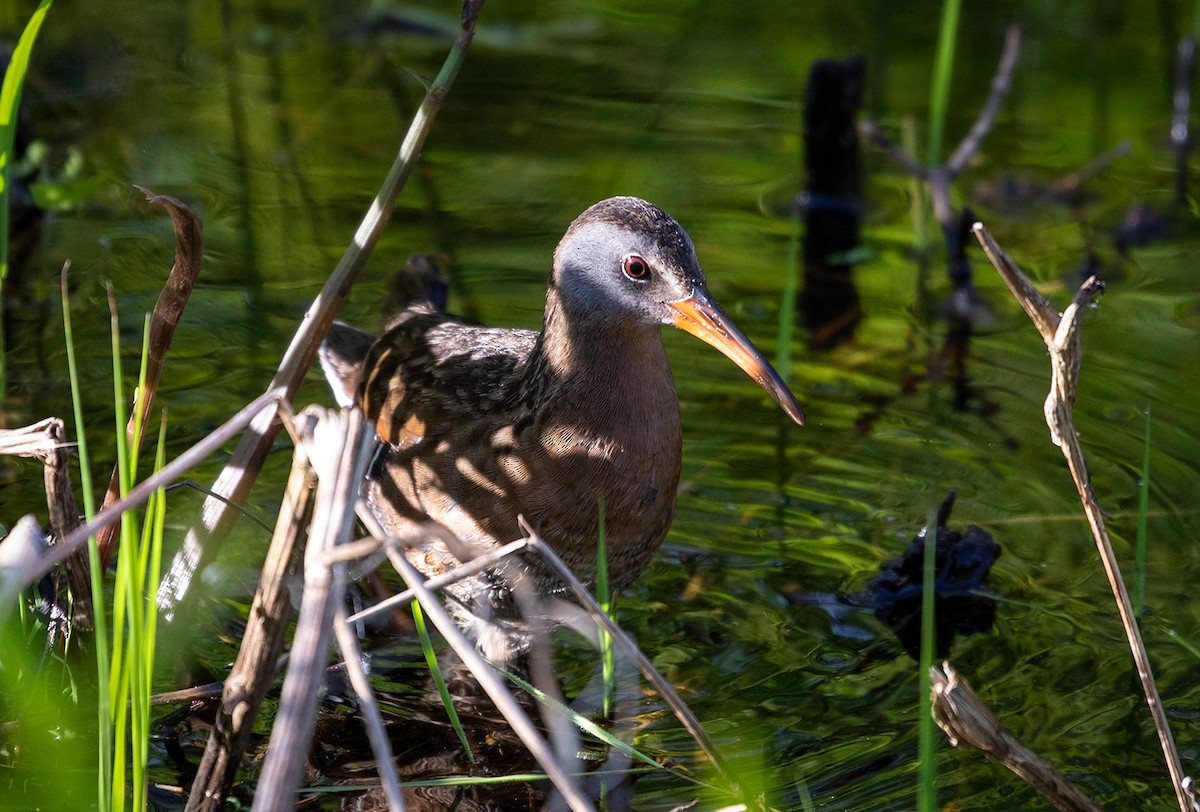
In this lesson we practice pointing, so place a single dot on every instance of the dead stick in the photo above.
(340, 467)
(970, 723)
(78, 537)
(870, 132)
(254, 671)
(939, 178)
(1001, 84)
(236, 479)
(46, 441)
(1061, 334)
(516, 717)
(621, 638)
(168, 310)
(381, 746)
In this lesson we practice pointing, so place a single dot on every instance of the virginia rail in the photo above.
(481, 424)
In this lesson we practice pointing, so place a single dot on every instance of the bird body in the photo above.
(482, 425)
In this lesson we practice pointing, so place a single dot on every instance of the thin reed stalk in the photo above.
(104, 734)
(787, 300)
(926, 730)
(381, 746)
(439, 681)
(604, 598)
(939, 92)
(132, 665)
(123, 614)
(235, 480)
(1060, 333)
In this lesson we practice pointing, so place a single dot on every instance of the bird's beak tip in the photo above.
(702, 318)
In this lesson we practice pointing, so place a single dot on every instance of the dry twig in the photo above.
(939, 178)
(255, 668)
(1061, 335)
(558, 773)
(189, 254)
(239, 474)
(968, 722)
(339, 473)
(46, 441)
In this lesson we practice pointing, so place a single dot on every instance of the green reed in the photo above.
(439, 681)
(939, 98)
(124, 663)
(939, 92)
(10, 103)
(604, 598)
(103, 716)
(787, 304)
(133, 607)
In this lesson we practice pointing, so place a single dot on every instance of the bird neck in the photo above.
(612, 365)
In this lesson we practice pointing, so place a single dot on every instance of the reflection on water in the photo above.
(277, 121)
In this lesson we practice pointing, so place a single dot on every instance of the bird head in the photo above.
(625, 259)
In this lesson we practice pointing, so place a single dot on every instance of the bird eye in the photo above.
(636, 268)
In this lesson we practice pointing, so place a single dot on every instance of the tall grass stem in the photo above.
(787, 304)
(131, 668)
(123, 589)
(104, 734)
(939, 93)
(439, 681)
(604, 598)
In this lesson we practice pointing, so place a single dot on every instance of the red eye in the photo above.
(636, 268)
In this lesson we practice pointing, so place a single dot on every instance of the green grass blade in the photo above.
(582, 722)
(1139, 561)
(121, 587)
(607, 664)
(138, 418)
(439, 681)
(132, 664)
(154, 568)
(125, 591)
(787, 304)
(939, 93)
(1174, 635)
(926, 732)
(10, 102)
(104, 733)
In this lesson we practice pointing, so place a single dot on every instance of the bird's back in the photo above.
(430, 372)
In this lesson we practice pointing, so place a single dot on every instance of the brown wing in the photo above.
(429, 372)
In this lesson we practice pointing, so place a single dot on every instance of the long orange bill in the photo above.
(700, 316)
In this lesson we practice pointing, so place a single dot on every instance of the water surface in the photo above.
(277, 120)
